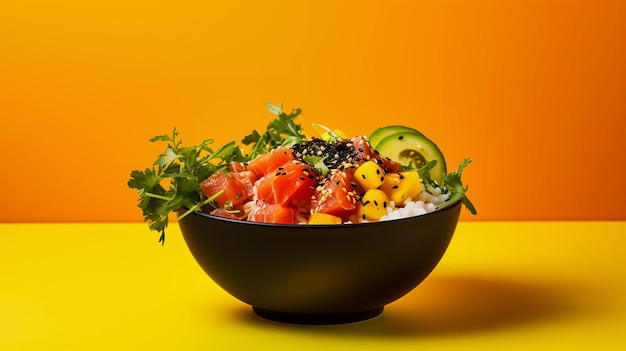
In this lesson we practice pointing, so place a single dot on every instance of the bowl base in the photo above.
(317, 319)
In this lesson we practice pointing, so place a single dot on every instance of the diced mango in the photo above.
(402, 186)
(390, 184)
(369, 175)
(357, 217)
(374, 204)
(323, 218)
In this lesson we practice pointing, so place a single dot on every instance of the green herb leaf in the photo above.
(424, 172)
(275, 110)
(165, 137)
(281, 131)
(167, 157)
(317, 162)
(453, 181)
(226, 152)
(251, 138)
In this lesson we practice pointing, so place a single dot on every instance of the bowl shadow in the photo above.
(452, 305)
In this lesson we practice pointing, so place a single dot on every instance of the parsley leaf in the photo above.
(173, 182)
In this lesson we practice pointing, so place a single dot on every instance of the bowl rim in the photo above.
(449, 207)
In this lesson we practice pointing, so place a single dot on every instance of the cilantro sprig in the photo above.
(173, 181)
(451, 182)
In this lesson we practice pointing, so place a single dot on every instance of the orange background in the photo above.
(533, 91)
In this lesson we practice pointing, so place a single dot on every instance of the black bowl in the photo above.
(319, 274)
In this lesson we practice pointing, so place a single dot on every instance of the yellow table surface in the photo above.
(500, 286)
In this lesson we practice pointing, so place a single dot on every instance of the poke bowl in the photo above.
(309, 230)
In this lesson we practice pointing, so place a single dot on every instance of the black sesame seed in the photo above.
(363, 176)
(382, 179)
(337, 155)
(376, 203)
(378, 171)
(401, 137)
(302, 178)
(394, 187)
(385, 204)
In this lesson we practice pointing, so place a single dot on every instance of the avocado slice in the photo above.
(404, 147)
(383, 132)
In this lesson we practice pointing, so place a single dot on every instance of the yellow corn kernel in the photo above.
(369, 175)
(408, 187)
(323, 218)
(375, 203)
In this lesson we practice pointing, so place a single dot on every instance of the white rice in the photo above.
(426, 203)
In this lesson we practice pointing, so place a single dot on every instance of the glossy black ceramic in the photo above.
(319, 274)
